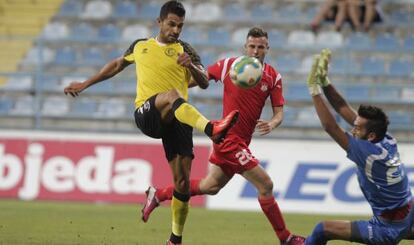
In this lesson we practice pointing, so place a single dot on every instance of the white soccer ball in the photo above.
(246, 72)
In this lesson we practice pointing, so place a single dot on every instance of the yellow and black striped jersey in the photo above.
(157, 69)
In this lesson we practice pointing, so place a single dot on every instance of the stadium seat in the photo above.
(308, 117)
(18, 82)
(149, 10)
(238, 37)
(329, 39)
(287, 63)
(65, 56)
(297, 92)
(109, 32)
(103, 88)
(115, 53)
(400, 17)
(301, 39)
(306, 65)
(125, 9)
(386, 93)
(400, 120)
(111, 108)
(83, 107)
(92, 57)
(235, 12)
(289, 14)
(373, 66)
(6, 104)
(206, 12)
(407, 94)
(208, 58)
(357, 93)
(218, 37)
(386, 43)
(124, 85)
(277, 38)
(194, 36)
(83, 32)
(70, 8)
(358, 41)
(55, 106)
(55, 31)
(97, 9)
(23, 106)
(409, 43)
(133, 32)
(401, 68)
(38, 55)
(49, 83)
(262, 13)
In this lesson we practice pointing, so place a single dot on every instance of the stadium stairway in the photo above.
(20, 22)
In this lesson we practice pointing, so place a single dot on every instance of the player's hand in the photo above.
(263, 127)
(313, 77)
(74, 89)
(323, 67)
(184, 59)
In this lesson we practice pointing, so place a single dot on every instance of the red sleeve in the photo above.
(276, 94)
(215, 70)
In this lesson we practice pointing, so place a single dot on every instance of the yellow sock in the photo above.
(189, 115)
(179, 211)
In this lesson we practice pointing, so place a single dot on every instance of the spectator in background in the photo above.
(332, 10)
(363, 13)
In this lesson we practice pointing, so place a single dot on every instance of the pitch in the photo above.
(84, 223)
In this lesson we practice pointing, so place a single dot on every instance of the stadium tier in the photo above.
(374, 67)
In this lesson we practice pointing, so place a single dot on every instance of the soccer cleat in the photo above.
(294, 240)
(170, 243)
(151, 204)
(220, 128)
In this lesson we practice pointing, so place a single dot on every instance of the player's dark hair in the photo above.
(377, 120)
(257, 32)
(174, 7)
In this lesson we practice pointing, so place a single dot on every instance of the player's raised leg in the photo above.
(171, 103)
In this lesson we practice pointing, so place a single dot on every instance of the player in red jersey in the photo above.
(233, 156)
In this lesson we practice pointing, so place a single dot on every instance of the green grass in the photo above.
(81, 223)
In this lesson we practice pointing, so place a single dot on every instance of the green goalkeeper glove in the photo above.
(322, 69)
(313, 79)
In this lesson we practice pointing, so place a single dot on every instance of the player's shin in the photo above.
(274, 215)
(188, 114)
(317, 237)
(179, 209)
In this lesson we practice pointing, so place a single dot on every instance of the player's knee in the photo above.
(266, 188)
(182, 185)
(213, 190)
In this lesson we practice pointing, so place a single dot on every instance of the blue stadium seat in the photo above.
(218, 37)
(358, 93)
(149, 10)
(83, 107)
(386, 42)
(289, 14)
(124, 85)
(208, 58)
(297, 92)
(65, 56)
(115, 53)
(112, 108)
(70, 8)
(262, 13)
(386, 93)
(287, 63)
(109, 32)
(23, 106)
(235, 12)
(50, 83)
(105, 87)
(125, 9)
(55, 106)
(409, 43)
(83, 32)
(401, 67)
(92, 57)
(307, 117)
(6, 104)
(277, 38)
(400, 120)
(194, 36)
(358, 41)
(373, 66)
(301, 39)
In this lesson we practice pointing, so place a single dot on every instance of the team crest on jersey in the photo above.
(264, 87)
(170, 52)
(144, 51)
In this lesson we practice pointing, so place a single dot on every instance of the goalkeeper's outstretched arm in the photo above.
(336, 100)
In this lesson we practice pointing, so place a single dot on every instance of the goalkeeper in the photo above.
(381, 173)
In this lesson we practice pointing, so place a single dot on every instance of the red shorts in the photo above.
(233, 156)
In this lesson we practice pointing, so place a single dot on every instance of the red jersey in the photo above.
(249, 102)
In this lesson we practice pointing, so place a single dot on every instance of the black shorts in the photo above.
(177, 137)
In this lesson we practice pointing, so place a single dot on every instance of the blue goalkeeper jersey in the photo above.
(381, 174)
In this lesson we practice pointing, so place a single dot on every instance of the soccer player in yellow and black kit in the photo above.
(165, 68)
